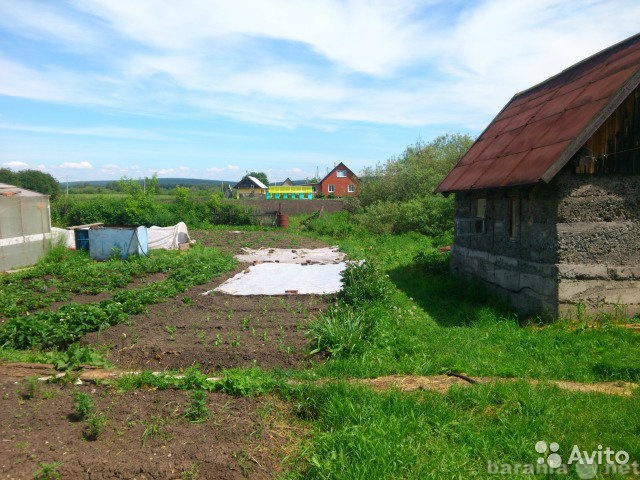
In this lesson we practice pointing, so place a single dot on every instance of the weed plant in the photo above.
(94, 425)
(47, 471)
(83, 405)
(197, 411)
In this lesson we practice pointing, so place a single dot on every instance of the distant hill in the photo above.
(162, 182)
(171, 182)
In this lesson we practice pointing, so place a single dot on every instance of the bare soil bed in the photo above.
(218, 331)
(243, 437)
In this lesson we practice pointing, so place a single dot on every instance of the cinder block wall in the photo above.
(579, 243)
(522, 270)
(598, 242)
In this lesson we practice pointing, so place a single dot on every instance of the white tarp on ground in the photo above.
(63, 235)
(283, 278)
(295, 255)
(168, 238)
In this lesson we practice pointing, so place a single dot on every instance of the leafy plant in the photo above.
(197, 411)
(31, 388)
(47, 471)
(83, 405)
(94, 424)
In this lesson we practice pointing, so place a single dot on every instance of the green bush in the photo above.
(432, 261)
(364, 284)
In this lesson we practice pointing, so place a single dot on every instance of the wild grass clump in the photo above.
(352, 325)
(340, 331)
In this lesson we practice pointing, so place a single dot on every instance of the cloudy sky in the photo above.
(100, 89)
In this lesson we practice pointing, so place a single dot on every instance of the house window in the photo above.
(331, 188)
(351, 188)
(479, 208)
(479, 211)
(313, 189)
(341, 173)
(514, 217)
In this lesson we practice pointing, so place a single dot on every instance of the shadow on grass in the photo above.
(451, 301)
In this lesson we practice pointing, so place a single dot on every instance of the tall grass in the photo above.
(358, 433)
(432, 322)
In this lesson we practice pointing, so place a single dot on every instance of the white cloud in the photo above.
(215, 170)
(97, 131)
(373, 37)
(77, 165)
(51, 23)
(408, 62)
(233, 167)
(15, 165)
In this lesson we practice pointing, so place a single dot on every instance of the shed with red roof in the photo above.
(548, 197)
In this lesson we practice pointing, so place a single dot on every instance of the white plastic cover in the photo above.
(168, 238)
(283, 278)
(295, 255)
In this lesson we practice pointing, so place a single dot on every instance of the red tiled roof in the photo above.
(540, 129)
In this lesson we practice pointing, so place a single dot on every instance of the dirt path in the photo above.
(406, 383)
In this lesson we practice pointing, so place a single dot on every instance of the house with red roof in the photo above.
(547, 200)
(339, 182)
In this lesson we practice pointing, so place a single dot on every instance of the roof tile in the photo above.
(536, 130)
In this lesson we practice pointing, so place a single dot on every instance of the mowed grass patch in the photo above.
(433, 323)
(361, 433)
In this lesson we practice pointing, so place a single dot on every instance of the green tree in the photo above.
(7, 176)
(260, 176)
(31, 180)
(397, 196)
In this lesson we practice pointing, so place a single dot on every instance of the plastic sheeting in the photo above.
(285, 278)
(168, 238)
(298, 255)
(24, 227)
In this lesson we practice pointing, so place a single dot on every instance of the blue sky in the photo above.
(101, 89)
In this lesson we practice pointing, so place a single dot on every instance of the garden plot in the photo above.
(278, 271)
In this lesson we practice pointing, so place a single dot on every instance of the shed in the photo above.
(25, 226)
(547, 207)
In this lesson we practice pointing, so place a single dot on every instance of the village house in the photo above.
(250, 187)
(339, 182)
(547, 200)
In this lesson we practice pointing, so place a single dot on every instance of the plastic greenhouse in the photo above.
(25, 226)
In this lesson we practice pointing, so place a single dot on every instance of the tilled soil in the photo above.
(219, 331)
(242, 437)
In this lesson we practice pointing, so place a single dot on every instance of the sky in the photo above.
(105, 89)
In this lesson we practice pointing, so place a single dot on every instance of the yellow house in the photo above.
(250, 187)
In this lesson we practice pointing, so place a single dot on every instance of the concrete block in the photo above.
(580, 271)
